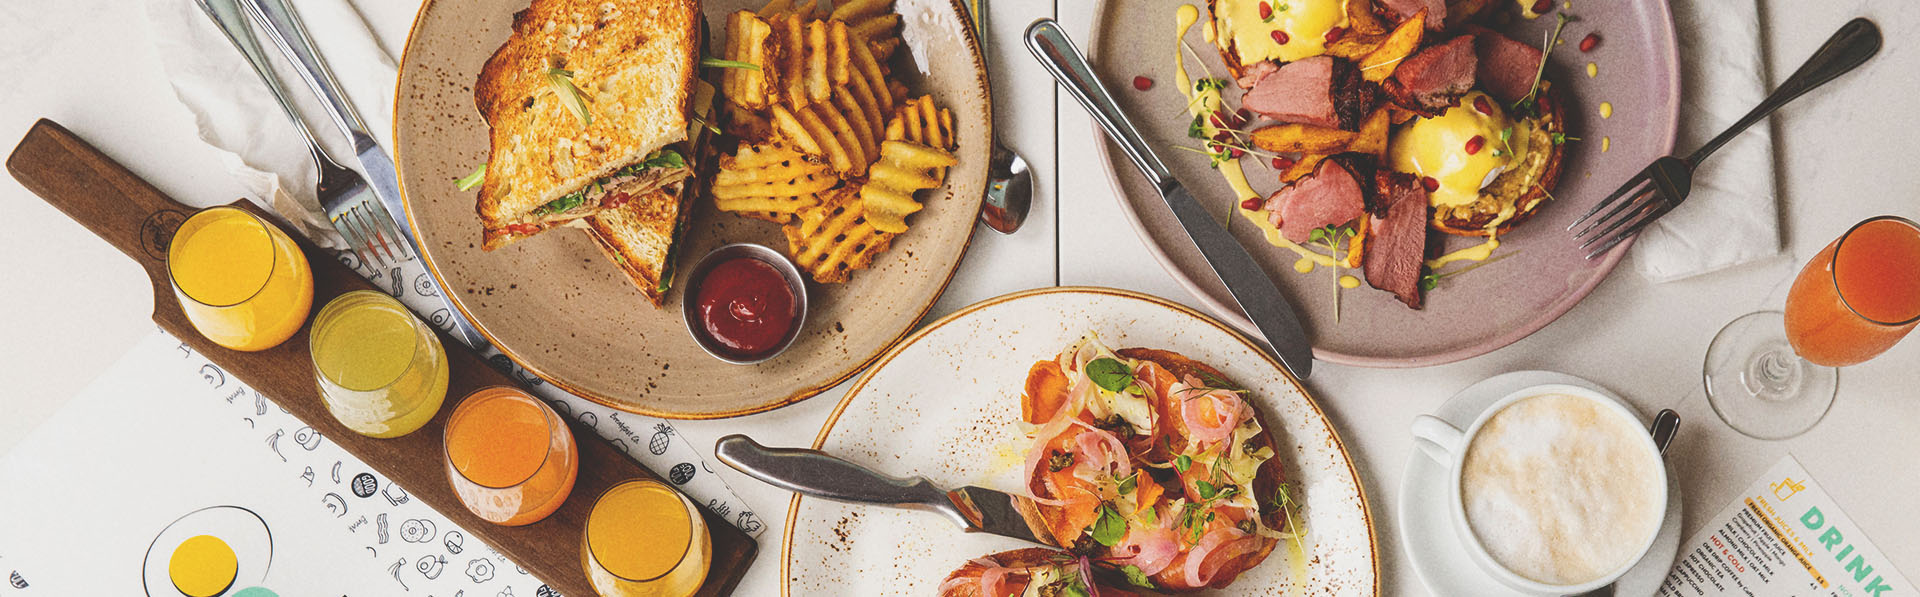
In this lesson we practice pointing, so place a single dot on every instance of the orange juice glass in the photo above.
(644, 539)
(242, 282)
(381, 371)
(510, 458)
(1859, 296)
(1772, 375)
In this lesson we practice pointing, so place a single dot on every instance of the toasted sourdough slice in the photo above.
(1014, 573)
(1520, 191)
(639, 237)
(1070, 519)
(630, 62)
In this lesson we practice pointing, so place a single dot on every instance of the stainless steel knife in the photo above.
(815, 473)
(1249, 285)
(283, 26)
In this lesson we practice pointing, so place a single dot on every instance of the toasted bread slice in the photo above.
(630, 63)
(639, 236)
(1517, 193)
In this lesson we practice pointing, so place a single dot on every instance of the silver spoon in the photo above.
(1009, 182)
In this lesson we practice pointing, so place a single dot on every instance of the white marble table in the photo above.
(72, 304)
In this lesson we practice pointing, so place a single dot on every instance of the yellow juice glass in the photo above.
(382, 373)
(644, 539)
(510, 458)
(242, 282)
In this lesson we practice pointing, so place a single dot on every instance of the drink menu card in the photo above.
(1783, 537)
(166, 446)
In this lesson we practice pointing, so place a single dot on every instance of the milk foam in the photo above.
(1561, 489)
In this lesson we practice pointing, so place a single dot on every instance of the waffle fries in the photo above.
(830, 146)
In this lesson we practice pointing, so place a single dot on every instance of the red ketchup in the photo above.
(746, 307)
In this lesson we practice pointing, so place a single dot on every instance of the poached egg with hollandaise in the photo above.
(1282, 30)
(1463, 150)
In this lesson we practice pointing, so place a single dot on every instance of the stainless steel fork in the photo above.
(342, 192)
(1662, 185)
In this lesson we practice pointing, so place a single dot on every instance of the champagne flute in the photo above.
(1772, 374)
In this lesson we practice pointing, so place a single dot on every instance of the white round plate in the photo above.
(1435, 550)
(943, 405)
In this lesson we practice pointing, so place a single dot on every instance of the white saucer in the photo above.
(1435, 549)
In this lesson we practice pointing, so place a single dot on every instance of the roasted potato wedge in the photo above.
(1377, 65)
(1301, 138)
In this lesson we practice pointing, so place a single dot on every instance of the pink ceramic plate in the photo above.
(1466, 315)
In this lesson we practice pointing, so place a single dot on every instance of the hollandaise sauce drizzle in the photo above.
(1206, 101)
(1479, 252)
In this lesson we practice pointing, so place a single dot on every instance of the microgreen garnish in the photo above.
(469, 181)
(1110, 527)
(1126, 485)
(561, 81)
(1136, 577)
(1330, 237)
(1205, 489)
(1183, 463)
(721, 63)
(1427, 282)
(1110, 374)
(1526, 102)
(1562, 138)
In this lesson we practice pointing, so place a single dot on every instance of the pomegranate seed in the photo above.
(1475, 144)
(1588, 43)
(1252, 203)
(1223, 137)
(1214, 119)
(1142, 83)
(1280, 37)
(1243, 115)
(1429, 183)
(1236, 152)
(1282, 163)
(1266, 11)
(1542, 6)
(1481, 105)
(1335, 34)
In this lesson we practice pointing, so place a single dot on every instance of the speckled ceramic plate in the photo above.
(558, 307)
(1467, 315)
(943, 404)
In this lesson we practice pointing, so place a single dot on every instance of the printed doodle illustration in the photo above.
(208, 552)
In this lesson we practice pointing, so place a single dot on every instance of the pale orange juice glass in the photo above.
(1773, 374)
(242, 282)
(510, 458)
(644, 539)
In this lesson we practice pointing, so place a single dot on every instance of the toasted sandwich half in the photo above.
(589, 103)
(640, 235)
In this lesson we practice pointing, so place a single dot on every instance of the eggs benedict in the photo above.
(1252, 32)
(1485, 168)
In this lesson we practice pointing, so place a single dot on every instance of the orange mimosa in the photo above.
(242, 282)
(645, 539)
(382, 373)
(510, 458)
(1859, 296)
(1772, 375)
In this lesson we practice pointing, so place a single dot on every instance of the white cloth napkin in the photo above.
(237, 117)
(1733, 215)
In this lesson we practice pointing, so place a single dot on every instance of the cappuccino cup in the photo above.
(1554, 490)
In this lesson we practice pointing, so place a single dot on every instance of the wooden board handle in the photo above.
(100, 194)
(134, 216)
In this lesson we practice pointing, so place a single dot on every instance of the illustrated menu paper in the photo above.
(167, 448)
(1783, 537)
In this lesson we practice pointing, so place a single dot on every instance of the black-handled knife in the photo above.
(1249, 285)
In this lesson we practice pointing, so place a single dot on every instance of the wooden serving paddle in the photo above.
(132, 215)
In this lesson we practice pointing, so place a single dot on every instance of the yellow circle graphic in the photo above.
(203, 566)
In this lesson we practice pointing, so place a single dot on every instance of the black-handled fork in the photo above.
(1665, 183)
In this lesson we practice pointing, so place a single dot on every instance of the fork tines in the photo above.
(371, 233)
(1643, 199)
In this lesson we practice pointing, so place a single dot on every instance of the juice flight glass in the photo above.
(381, 371)
(644, 539)
(510, 458)
(242, 282)
(1772, 375)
